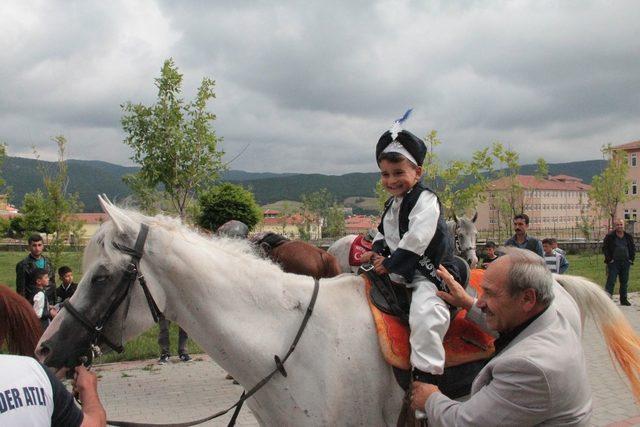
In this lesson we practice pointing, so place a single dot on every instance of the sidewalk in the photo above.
(144, 391)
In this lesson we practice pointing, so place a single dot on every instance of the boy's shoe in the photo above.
(164, 358)
(185, 357)
(625, 302)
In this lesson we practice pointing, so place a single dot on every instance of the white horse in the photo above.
(243, 310)
(462, 229)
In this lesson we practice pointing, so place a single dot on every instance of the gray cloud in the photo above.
(309, 87)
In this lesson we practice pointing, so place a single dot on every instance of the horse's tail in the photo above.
(622, 341)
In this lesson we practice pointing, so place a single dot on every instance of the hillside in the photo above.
(90, 177)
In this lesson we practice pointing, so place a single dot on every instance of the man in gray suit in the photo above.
(538, 373)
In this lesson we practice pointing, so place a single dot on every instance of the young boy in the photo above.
(411, 242)
(490, 249)
(556, 263)
(67, 286)
(40, 302)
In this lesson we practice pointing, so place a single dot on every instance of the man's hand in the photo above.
(456, 296)
(377, 264)
(420, 392)
(85, 385)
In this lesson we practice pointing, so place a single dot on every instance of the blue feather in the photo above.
(406, 116)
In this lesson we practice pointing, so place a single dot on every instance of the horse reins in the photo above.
(132, 273)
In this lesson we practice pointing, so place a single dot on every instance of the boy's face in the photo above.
(67, 278)
(547, 248)
(491, 251)
(398, 178)
(42, 281)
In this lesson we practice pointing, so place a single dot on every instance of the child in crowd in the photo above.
(40, 302)
(67, 286)
(490, 250)
(556, 262)
(411, 242)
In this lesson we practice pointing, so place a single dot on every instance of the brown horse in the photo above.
(298, 257)
(19, 325)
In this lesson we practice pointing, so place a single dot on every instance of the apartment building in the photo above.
(557, 202)
(630, 209)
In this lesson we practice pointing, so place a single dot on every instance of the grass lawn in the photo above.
(146, 347)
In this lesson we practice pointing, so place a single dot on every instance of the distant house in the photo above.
(357, 224)
(287, 225)
(91, 222)
(557, 202)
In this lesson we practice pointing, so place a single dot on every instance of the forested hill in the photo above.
(90, 178)
(363, 184)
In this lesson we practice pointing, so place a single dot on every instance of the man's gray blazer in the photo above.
(540, 378)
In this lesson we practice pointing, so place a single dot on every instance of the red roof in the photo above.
(360, 221)
(271, 212)
(628, 145)
(533, 183)
(91, 218)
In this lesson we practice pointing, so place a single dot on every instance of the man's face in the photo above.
(503, 312)
(491, 252)
(619, 225)
(520, 226)
(36, 249)
(547, 248)
(67, 278)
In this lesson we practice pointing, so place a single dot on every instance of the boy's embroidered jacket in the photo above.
(404, 261)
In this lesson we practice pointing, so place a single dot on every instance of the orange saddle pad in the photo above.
(464, 342)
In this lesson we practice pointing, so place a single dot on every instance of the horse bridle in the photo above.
(131, 275)
(456, 238)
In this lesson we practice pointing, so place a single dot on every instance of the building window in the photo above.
(634, 159)
(627, 216)
(634, 214)
(634, 187)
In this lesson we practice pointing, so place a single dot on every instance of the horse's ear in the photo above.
(117, 216)
(475, 217)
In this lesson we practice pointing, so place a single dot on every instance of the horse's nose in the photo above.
(43, 351)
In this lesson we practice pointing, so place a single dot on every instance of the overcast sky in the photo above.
(310, 86)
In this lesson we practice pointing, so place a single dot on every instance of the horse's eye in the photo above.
(101, 278)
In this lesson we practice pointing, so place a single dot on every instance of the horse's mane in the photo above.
(19, 325)
(109, 233)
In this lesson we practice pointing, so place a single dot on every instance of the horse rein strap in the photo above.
(245, 394)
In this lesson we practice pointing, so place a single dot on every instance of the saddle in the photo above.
(358, 247)
(270, 241)
(466, 346)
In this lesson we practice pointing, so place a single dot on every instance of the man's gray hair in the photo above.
(528, 271)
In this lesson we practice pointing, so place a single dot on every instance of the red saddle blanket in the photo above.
(358, 247)
(464, 342)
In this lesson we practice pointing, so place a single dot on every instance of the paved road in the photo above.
(176, 392)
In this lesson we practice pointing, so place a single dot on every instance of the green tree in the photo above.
(460, 185)
(59, 204)
(3, 154)
(510, 200)
(35, 215)
(316, 205)
(610, 189)
(542, 169)
(173, 141)
(335, 226)
(225, 202)
(382, 195)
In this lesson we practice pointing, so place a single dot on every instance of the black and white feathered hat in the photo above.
(398, 140)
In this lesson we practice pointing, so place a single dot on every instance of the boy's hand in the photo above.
(366, 257)
(53, 312)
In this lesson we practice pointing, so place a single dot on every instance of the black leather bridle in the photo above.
(124, 287)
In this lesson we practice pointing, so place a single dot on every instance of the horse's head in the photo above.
(465, 234)
(101, 310)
